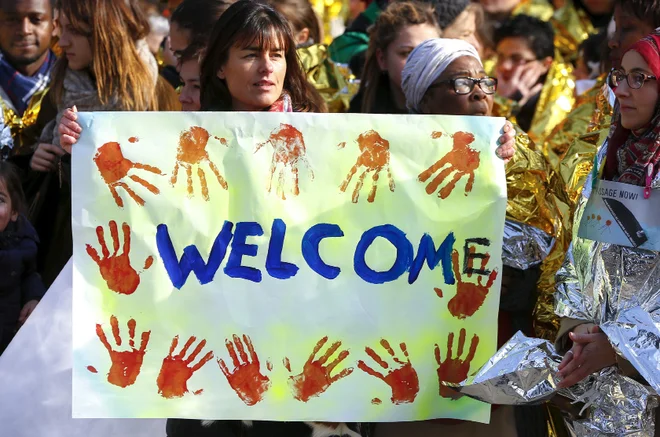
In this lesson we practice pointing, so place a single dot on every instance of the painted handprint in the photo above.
(289, 151)
(374, 157)
(469, 296)
(462, 160)
(402, 378)
(126, 365)
(192, 152)
(116, 269)
(176, 370)
(246, 378)
(454, 369)
(315, 377)
(114, 167)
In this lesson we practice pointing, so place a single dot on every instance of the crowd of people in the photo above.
(576, 79)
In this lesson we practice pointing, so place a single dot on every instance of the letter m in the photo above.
(433, 257)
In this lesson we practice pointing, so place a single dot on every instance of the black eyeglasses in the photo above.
(635, 79)
(465, 85)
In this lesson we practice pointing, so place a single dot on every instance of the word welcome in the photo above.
(235, 240)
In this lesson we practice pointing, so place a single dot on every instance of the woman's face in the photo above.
(394, 58)
(254, 76)
(465, 27)
(629, 30)
(442, 99)
(637, 106)
(189, 96)
(75, 47)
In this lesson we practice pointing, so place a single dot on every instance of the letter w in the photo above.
(427, 252)
(191, 260)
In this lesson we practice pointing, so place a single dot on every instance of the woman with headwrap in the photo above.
(446, 76)
(600, 282)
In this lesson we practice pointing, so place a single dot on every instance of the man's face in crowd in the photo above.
(629, 30)
(26, 30)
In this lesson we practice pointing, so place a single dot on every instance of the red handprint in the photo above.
(462, 159)
(454, 370)
(315, 377)
(402, 380)
(126, 365)
(114, 167)
(246, 379)
(289, 151)
(175, 372)
(469, 297)
(116, 270)
(192, 151)
(374, 156)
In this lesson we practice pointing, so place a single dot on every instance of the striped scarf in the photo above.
(20, 88)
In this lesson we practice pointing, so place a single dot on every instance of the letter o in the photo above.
(403, 260)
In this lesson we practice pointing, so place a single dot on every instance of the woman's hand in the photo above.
(45, 157)
(69, 129)
(27, 310)
(591, 352)
(507, 143)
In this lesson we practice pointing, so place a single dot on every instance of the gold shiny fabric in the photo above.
(566, 184)
(555, 102)
(527, 176)
(19, 124)
(572, 26)
(578, 122)
(335, 83)
(329, 11)
(540, 9)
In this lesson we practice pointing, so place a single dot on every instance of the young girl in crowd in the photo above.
(106, 66)
(20, 285)
(398, 30)
(189, 72)
(303, 19)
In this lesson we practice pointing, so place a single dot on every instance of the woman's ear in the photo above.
(380, 57)
(303, 36)
(14, 216)
(221, 74)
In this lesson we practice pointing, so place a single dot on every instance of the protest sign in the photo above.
(284, 266)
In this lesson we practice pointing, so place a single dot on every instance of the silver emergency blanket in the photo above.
(524, 246)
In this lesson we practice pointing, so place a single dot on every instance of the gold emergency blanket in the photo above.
(540, 9)
(19, 124)
(572, 26)
(333, 81)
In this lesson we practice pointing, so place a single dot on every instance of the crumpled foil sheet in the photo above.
(6, 141)
(523, 372)
(524, 246)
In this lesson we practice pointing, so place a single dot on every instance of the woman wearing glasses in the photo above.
(622, 275)
(446, 77)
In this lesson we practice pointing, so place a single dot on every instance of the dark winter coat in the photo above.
(19, 280)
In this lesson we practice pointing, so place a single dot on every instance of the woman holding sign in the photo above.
(446, 76)
(612, 272)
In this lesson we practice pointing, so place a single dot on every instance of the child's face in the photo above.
(7, 212)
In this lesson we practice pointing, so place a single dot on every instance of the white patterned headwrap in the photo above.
(427, 62)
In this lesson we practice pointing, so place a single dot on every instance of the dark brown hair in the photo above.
(301, 15)
(198, 17)
(248, 23)
(112, 27)
(384, 31)
(9, 177)
(646, 10)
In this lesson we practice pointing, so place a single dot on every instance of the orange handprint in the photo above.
(175, 371)
(469, 297)
(454, 370)
(116, 269)
(402, 380)
(126, 365)
(192, 151)
(374, 156)
(315, 377)
(114, 167)
(246, 379)
(462, 159)
(289, 151)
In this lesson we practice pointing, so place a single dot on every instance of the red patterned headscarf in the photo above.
(629, 156)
